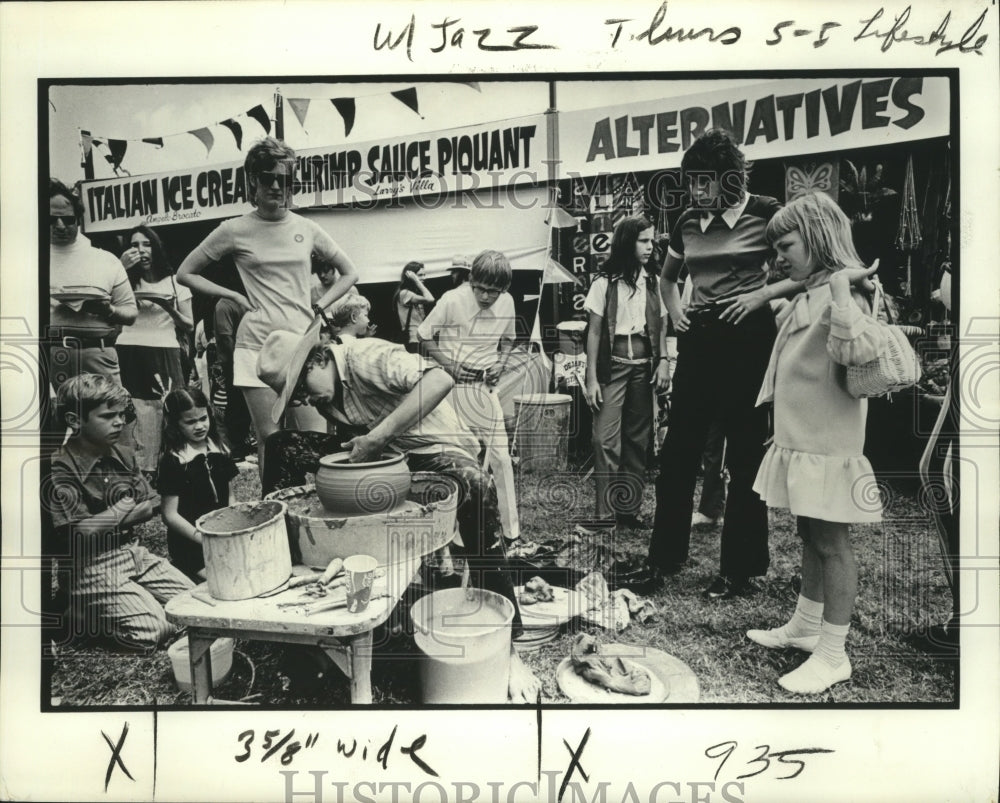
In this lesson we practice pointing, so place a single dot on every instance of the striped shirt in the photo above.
(376, 376)
(725, 254)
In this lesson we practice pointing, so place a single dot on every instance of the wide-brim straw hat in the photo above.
(280, 362)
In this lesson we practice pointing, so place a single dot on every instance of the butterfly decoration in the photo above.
(800, 180)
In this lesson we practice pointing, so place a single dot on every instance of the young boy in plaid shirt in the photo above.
(117, 587)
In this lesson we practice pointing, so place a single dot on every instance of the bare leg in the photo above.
(802, 631)
(832, 543)
(812, 566)
(829, 663)
(259, 402)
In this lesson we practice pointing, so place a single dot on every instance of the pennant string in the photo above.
(258, 112)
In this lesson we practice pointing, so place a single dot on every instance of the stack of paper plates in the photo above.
(543, 619)
(534, 637)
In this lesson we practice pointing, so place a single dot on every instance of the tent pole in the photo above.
(552, 144)
(279, 116)
(88, 158)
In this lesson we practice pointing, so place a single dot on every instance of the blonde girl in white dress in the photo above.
(815, 467)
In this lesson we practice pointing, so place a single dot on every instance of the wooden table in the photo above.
(345, 637)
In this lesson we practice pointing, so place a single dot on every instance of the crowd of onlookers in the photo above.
(299, 370)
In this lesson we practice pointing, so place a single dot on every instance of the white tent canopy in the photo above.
(381, 244)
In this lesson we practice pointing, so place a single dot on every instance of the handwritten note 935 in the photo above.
(884, 27)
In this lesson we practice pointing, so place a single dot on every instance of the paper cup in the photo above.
(360, 570)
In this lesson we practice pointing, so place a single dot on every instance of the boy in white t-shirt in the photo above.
(470, 333)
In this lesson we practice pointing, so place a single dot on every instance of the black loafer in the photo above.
(630, 521)
(730, 587)
(644, 580)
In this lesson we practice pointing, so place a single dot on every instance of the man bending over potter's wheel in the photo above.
(393, 398)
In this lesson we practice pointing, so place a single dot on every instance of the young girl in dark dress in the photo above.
(194, 475)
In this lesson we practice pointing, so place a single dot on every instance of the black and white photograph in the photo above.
(498, 405)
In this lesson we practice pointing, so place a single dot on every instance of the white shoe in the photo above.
(701, 520)
(815, 676)
(777, 639)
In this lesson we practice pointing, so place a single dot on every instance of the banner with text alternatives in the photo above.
(771, 120)
(434, 165)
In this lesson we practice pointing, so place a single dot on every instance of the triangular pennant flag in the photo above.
(408, 97)
(233, 126)
(555, 273)
(87, 142)
(157, 141)
(560, 218)
(346, 108)
(258, 114)
(118, 148)
(301, 108)
(471, 84)
(206, 138)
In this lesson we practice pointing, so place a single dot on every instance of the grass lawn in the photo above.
(902, 589)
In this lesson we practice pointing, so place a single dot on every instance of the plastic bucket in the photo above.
(465, 637)
(246, 549)
(542, 424)
(180, 659)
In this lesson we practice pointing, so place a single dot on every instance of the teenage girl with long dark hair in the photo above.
(626, 357)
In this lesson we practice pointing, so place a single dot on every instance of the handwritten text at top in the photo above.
(880, 26)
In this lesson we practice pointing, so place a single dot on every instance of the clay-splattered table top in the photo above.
(256, 617)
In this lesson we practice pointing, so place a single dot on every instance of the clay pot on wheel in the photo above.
(358, 489)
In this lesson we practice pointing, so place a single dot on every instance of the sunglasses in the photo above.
(67, 220)
(268, 177)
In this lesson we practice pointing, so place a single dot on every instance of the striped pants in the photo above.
(119, 596)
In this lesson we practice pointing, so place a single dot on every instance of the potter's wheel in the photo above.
(309, 506)
(420, 525)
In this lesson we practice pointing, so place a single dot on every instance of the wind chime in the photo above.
(908, 235)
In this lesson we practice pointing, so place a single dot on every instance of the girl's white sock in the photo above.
(802, 631)
(830, 649)
(827, 665)
(807, 619)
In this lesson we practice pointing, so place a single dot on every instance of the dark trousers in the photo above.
(720, 368)
(622, 427)
(713, 467)
(237, 416)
